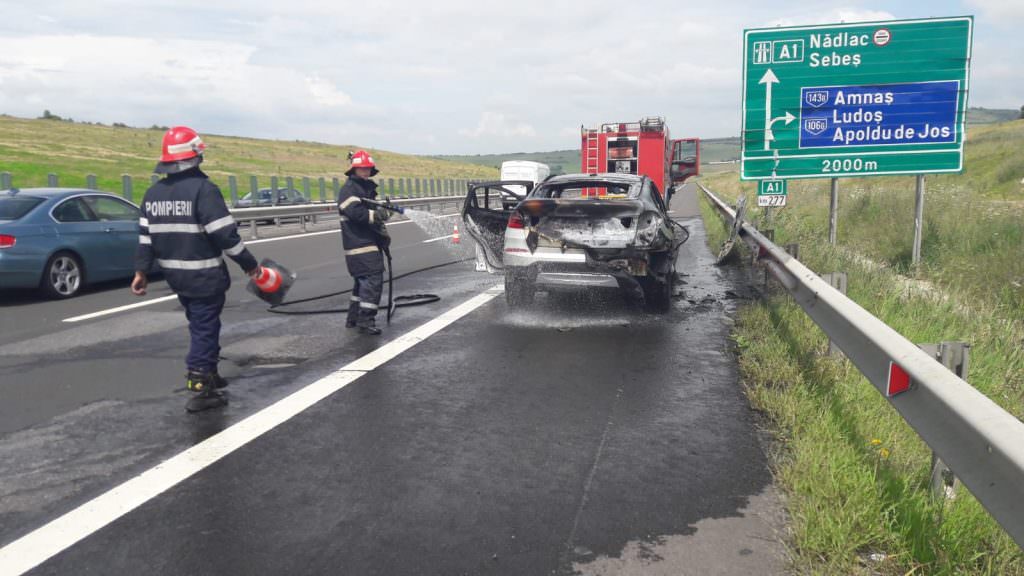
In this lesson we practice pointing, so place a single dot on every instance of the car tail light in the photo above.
(7, 241)
(516, 222)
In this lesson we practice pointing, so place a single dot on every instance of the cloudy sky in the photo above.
(438, 77)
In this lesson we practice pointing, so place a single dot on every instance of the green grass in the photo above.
(30, 149)
(847, 497)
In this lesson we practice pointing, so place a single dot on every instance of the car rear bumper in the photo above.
(576, 280)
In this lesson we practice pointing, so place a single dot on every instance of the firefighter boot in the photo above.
(206, 395)
(367, 325)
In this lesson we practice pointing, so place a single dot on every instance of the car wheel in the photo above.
(658, 295)
(63, 276)
(519, 291)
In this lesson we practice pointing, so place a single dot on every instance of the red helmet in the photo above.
(181, 143)
(361, 159)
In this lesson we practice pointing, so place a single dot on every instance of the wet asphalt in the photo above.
(582, 435)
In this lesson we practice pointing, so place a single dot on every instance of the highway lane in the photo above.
(580, 436)
(49, 367)
(27, 314)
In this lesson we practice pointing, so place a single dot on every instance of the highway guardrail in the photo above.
(312, 210)
(979, 441)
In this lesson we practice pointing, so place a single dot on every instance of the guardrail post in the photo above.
(837, 280)
(432, 192)
(274, 187)
(793, 250)
(126, 187)
(336, 185)
(391, 186)
(408, 187)
(233, 190)
(955, 356)
(255, 233)
(52, 181)
(417, 188)
(90, 181)
(323, 189)
(309, 196)
(5, 180)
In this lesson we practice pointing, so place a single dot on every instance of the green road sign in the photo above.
(856, 99)
(771, 193)
(771, 187)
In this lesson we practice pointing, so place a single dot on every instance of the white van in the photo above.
(524, 170)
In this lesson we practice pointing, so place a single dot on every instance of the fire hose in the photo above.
(394, 302)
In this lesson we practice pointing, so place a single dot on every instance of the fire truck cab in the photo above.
(643, 148)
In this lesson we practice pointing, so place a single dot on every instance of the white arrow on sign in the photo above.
(768, 79)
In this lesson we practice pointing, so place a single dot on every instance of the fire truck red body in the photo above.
(644, 148)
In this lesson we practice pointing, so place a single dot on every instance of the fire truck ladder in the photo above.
(593, 142)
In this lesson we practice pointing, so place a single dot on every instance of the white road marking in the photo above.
(110, 311)
(121, 308)
(47, 541)
(439, 239)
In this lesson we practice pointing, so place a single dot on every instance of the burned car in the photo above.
(580, 231)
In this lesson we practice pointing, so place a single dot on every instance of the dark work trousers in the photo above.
(365, 298)
(204, 327)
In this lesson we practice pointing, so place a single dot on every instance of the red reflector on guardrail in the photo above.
(899, 380)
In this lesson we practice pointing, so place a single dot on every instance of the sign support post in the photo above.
(918, 220)
(833, 212)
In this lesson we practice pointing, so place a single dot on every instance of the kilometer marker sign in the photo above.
(856, 99)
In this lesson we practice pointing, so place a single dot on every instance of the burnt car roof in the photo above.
(612, 177)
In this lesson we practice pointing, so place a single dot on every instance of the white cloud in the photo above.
(831, 16)
(326, 93)
(1001, 12)
(496, 124)
(453, 76)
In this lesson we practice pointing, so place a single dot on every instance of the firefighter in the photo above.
(365, 239)
(184, 229)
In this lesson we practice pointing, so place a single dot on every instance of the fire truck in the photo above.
(644, 148)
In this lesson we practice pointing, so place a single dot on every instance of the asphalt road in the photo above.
(580, 436)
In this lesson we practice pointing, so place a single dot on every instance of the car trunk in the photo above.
(587, 224)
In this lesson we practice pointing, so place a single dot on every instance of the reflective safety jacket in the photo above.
(361, 235)
(185, 229)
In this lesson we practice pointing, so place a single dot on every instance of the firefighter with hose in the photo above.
(185, 228)
(365, 240)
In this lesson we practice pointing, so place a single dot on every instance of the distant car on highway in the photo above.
(285, 197)
(60, 239)
(580, 231)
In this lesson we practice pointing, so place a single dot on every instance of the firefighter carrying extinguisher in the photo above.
(185, 229)
(365, 239)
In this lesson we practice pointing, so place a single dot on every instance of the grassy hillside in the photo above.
(29, 149)
(990, 115)
(856, 476)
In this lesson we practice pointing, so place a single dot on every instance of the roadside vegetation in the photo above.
(31, 149)
(856, 477)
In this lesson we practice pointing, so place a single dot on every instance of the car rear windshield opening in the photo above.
(577, 190)
(12, 208)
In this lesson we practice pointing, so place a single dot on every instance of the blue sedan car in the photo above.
(58, 239)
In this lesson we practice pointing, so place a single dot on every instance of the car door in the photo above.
(120, 222)
(486, 211)
(79, 230)
(685, 159)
